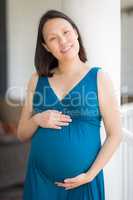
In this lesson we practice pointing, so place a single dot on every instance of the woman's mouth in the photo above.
(65, 50)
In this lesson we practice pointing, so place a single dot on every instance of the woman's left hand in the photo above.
(76, 181)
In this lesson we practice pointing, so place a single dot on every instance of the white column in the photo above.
(22, 24)
(99, 24)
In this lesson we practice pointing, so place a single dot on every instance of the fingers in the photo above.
(59, 119)
(70, 183)
(65, 118)
(62, 123)
(59, 124)
(61, 116)
(57, 127)
(67, 185)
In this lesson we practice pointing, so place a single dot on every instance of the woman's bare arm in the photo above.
(27, 125)
(112, 120)
(46, 119)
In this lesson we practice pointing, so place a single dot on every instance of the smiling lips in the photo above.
(66, 49)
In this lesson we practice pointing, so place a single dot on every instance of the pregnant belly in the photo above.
(64, 153)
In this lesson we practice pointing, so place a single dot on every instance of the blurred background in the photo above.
(106, 28)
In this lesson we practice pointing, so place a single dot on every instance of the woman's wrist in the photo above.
(90, 174)
(34, 119)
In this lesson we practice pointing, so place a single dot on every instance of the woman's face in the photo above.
(61, 39)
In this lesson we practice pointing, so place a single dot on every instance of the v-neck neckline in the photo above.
(71, 89)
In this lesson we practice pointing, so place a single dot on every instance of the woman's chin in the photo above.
(68, 57)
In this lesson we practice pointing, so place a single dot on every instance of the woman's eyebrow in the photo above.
(54, 33)
(63, 28)
(50, 34)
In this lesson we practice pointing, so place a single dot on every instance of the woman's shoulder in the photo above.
(103, 74)
(33, 81)
(34, 75)
(105, 82)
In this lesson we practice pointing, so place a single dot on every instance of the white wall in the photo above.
(99, 23)
(127, 55)
(22, 23)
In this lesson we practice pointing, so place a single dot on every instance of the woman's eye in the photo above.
(66, 32)
(52, 38)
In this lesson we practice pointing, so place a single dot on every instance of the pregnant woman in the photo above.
(66, 101)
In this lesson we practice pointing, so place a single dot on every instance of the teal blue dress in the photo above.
(57, 154)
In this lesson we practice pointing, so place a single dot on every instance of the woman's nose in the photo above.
(62, 41)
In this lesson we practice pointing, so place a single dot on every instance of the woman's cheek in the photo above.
(56, 52)
(53, 49)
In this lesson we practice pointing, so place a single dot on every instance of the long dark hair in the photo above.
(44, 61)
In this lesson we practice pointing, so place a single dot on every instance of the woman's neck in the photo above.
(69, 66)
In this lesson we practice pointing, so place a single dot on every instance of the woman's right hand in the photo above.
(52, 119)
